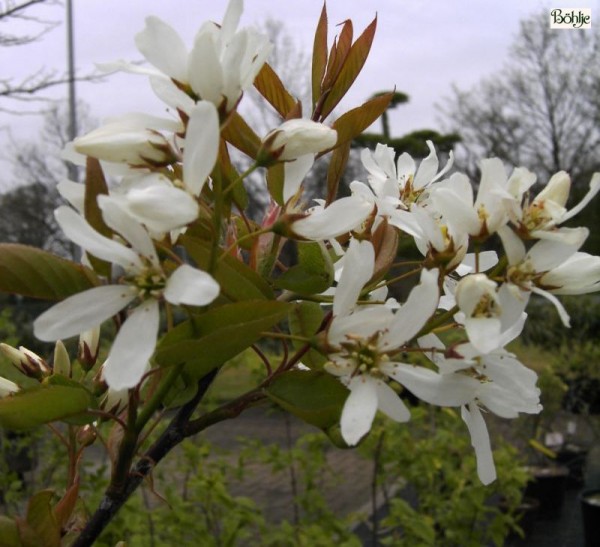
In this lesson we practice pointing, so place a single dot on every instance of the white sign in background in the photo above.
(571, 18)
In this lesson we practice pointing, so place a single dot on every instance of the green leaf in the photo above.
(40, 516)
(304, 320)
(313, 273)
(95, 185)
(315, 397)
(208, 340)
(319, 57)
(43, 404)
(81, 419)
(237, 280)
(355, 121)
(351, 68)
(29, 271)
(241, 135)
(270, 86)
(9, 532)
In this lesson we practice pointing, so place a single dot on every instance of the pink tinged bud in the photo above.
(88, 347)
(26, 361)
(62, 362)
(7, 387)
(295, 138)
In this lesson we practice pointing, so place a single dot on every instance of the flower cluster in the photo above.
(172, 249)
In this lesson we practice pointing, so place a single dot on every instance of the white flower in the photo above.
(133, 139)
(496, 380)
(542, 216)
(402, 180)
(143, 280)
(222, 63)
(487, 312)
(453, 199)
(551, 266)
(361, 342)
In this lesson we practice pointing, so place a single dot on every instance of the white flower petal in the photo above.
(414, 313)
(188, 285)
(77, 229)
(205, 71)
(82, 311)
(484, 332)
(133, 347)
(480, 441)
(163, 48)
(73, 192)
(391, 404)
(432, 387)
(162, 207)
(201, 146)
(129, 228)
(359, 409)
(295, 171)
(359, 263)
(341, 217)
(562, 312)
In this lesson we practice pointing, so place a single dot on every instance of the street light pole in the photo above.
(73, 171)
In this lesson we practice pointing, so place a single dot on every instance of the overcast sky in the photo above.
(422, 47)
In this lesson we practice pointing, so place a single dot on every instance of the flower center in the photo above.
(486, 307)
(364, 354)
(150, 282)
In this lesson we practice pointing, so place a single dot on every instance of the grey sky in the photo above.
(422, 46)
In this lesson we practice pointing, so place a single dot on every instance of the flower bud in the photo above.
(7, 387)
(88, 347)
(131, 139)
(86, 436)
(26, 361)
(295, 138)
(62, 362)
(115, 401)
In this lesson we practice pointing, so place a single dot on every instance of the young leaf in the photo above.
(385, 241)
(29, 271)
(337, 167)
(237, 280)
(269, 85)
(315, 397)
(66, 505)
(209, 340)
(44, 404)
(342, 49)
(319, 57)
(40, 516)
(241, 135)
(355, 121)
(351, 68)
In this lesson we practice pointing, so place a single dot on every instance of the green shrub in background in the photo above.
(442, 502)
